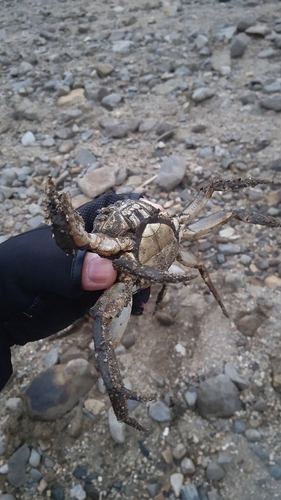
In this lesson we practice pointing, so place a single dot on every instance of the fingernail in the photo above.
(98, 271)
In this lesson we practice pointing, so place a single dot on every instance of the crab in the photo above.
(143, 242)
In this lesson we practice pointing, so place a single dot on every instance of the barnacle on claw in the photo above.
(143, 242)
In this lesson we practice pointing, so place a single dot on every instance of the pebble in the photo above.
(17, 462)
(159, 412)
(179, 451)
(252, 435)
(110, 101)
(214, 472)
(190, 492)
(246, 22)
(85, 158)
(267, 53)
(187, 466)
(238, 427)
(229, 248)
(259, 30)
(34, 458)
(116, 429)
(76, 96)
(66, 147)
(176, 481)
(51, 359)
(35, 475)
(272, 281)
(221, 61)
(95, 406)
(168, 87)
(202, 94)
(122, 46)
(77, 492)
(98, 181)
(171, 172)
(148, 124)
(275, 471)
(190, 397)
(28, 139)
(273, 103)
(238, 45)
(104, 69)
(259, 452)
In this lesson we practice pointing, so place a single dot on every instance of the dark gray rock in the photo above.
(248, 99)
(273, 103)
(267, 53)
(35, 476)
(275, 471)
(259, 452)
(238, 45)
(229, 248)
(17, 463)
(159, 412)
(218, 397)
(57, 390)
(214, 472)
(253, 435)
(110, 101)
(85, 157)
(246, 22)
(238, 427)
(117, 131)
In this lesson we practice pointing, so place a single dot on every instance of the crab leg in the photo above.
(111, 315)
(205, 193)
(218, 219)
(148, 273)
(189, 260)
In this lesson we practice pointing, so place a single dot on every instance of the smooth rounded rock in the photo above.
(28, 139)
(159, 412)
(57, 390)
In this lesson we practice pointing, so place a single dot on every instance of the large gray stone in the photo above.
(218, 397)
(57, 390)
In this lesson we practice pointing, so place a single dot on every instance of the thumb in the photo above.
(97, 273)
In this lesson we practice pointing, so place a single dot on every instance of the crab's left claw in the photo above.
(111, 315)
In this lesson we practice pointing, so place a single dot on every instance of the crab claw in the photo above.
(111, 315)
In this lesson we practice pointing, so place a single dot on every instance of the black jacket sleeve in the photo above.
(40, 286)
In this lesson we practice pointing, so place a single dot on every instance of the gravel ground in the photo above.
(105, 95)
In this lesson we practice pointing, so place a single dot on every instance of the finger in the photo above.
(97, 273)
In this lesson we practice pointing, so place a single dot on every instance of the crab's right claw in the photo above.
(111, 315)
